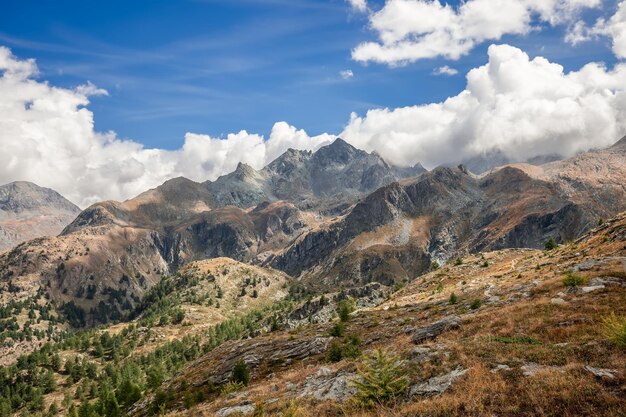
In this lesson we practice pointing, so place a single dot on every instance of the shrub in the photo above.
(335, 353)
(344, 309)
(550, 244)
(453, 298)
(337, 330)
(241, 373)
(458, 261)
(475, 304)
(572, 280)
(434, 265)
(178, 316)
(382, 379)
(231, 387)
(485, 264)
(614, 329)
(352, 347)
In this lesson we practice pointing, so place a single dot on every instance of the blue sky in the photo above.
(220, 66)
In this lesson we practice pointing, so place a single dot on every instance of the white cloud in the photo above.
(47, 136)
(410, 30)
(358, 5)
(524, 107)
(445, 70)
(614, 28)
(346, 74)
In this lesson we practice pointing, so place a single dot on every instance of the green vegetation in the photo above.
(572, 280)
(344, 309)
(475, 304)
(107, 376)
(434, 265)
(349, 348)
(241, 373)
(382, 379)
(337, 330)
(458, 261)
(453, 299)
(550, 244)
(614, 329)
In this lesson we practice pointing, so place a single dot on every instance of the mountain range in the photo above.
(296, 288)
(335, 217)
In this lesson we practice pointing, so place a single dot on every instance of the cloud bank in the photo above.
(614, 28)
(525, 107)
(47, 136)
(410, 30)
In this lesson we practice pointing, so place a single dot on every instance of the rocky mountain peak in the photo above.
(28, 211)
(339, 151)
(20, 196)
(244, 170)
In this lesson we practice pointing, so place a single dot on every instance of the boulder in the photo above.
(433, 330)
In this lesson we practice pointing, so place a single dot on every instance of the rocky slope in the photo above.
(28, 211)
(497, 333)
(396, 232)
(507, 332)
(106, 259)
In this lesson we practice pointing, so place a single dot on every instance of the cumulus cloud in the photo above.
(445, 70)
(524, 107)
(47, 136)
(346, 74)
(358, 5)
(614, 28)
(410, 30)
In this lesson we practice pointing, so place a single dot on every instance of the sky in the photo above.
(102, 100)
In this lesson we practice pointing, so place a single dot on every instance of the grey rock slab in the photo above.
(244, 409)
(438, 384)
(432, 330)
(602, 373)
(327, 385)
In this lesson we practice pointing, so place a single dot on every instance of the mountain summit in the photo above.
(28, 211)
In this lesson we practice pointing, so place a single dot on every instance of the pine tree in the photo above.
(241, 373)
(382, 379)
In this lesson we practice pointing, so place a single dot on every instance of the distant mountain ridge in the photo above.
(28, 211)
(338, 217)
(338, 171)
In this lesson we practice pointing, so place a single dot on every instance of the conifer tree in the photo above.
(382, 379)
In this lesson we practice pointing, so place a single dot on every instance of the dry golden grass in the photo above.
(522, 327)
